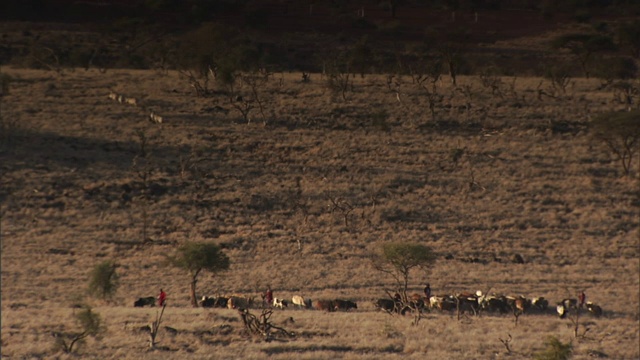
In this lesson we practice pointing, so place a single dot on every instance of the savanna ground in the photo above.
(488, 177)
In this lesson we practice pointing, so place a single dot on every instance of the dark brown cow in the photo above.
(325, 305)
(207, 302)
(596, 310)
(540, 304)
(145, 301)
(468, 303)
(387, 305)
(344, 305)
(495, 304)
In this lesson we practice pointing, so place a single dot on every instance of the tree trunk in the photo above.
(192, 292)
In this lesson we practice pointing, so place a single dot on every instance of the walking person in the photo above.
(582, 298)
(268, 296)
(162, 298)
(427, 292)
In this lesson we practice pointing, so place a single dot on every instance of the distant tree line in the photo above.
(137, 37)
(194, 11)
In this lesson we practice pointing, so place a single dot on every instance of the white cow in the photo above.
(300, 301)
(239, 302)
(280, 303)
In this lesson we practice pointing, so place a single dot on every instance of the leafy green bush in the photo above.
(103, 281)
(555, 350)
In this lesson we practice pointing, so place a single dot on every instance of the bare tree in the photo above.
(155, 326)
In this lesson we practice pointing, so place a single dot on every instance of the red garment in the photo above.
(162, 298)
(582, 297)
(268, 297)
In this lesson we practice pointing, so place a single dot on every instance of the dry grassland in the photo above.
(510, 175)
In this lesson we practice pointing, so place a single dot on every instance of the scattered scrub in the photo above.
(555, 350)
(90, 324)
(103, 281)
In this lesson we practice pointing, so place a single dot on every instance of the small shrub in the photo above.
(555, 350)
(620, 132)
(104, 280)
(90, 324)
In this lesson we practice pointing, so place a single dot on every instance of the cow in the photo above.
(207, 302)
(564, 306)
(596, 310)
(280, 303)
(387, 305)
(417, 301)
(521, 304)
(570, 303)
(131, 101)
(155, 118)
(325, 305)
(518, 304)
(495, 304)
(468, 303)
(221, 302)
(443, 302)
(539, 303)
(561, 310)
(301, 302)
(144, 301)
(344, 305)
(239, 302)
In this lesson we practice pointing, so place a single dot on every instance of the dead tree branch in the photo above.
(261, 326)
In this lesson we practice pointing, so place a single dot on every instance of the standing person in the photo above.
(582, 298)
(427, 292)
(268, 296)
(162, 298)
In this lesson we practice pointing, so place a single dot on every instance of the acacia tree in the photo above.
(103, 281)
(195, 257)
(584, 46)
(620, 132)
(398, 259)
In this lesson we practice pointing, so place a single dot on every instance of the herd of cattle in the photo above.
(464, 303)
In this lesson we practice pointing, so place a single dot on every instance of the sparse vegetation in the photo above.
(195, 257)
(521, 175)
(620, 132)
(89, 324)
(103, 281)
(555, 350)
(399, 259)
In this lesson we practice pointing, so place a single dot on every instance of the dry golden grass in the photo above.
(527, 180)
